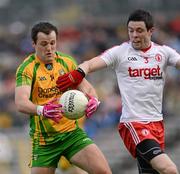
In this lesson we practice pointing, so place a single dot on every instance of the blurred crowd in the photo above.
(83, 37)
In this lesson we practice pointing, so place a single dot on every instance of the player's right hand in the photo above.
(70, 80)
(51, 110)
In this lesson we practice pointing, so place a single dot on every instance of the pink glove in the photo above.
(92, 106)
(51, 110)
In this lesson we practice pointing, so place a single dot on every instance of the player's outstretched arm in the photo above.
(70, 80)
(74, 78)
(51, 110)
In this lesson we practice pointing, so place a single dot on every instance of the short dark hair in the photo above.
(44, 27)
(142, 15)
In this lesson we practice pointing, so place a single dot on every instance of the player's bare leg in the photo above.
(92, 160)
(42, 170)
(76, 170)
(164, 165)
(66, 167)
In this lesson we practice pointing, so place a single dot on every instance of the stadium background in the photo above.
(87, 28)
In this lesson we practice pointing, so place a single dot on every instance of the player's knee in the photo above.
(148, 149)
(169, 169)
(164, 165)
(172, 170)
(103, 170)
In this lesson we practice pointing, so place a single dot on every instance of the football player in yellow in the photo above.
(36, 94)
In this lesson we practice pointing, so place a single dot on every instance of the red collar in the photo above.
(146, 49)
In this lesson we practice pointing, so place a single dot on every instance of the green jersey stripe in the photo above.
(67, 56)
(22, 68)
(63, 63)
(43, 129)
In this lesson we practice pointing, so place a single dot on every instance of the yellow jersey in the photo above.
(42, 79)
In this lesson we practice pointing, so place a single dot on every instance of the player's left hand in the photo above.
(92, 105)
(70, 80)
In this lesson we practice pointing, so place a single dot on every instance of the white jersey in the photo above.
(141, 78)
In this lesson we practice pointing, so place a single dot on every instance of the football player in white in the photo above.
(140, 66)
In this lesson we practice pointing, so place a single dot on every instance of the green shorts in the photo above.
(67, 144)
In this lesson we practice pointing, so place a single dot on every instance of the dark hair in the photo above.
(141, 15)
(44, 27)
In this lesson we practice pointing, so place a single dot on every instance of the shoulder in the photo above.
(62, 57)
(170, 54)
(27, 63)
(163, 47)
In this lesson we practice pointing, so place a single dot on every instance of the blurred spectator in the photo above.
(175, 24)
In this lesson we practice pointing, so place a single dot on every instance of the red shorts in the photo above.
(133, 133)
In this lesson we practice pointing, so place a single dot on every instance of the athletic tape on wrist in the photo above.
(40, 110)
(81, 71)
(97, 101)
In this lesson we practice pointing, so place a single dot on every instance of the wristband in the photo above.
(81, 71)
(39, 110)
(97, 101)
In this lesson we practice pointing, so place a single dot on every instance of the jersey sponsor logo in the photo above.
(148, 73)
(132, 58)
(48, 92)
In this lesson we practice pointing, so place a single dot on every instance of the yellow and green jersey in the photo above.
(42, 79)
